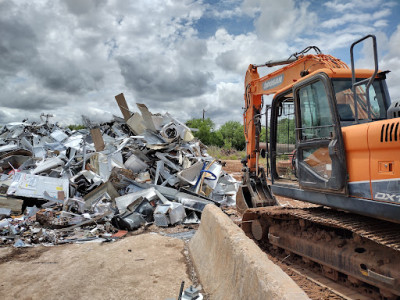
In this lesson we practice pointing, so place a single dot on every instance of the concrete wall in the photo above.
(232, 266)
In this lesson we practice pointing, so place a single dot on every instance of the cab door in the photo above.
(320, 155)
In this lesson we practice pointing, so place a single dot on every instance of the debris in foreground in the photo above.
(60, 186)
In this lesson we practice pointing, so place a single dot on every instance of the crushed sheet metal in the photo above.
(191, 174)
(123, 106)
(58, 135)
(48, 164)
(147, 117)
(135, 124)
(83, 185)
(34, 186)
(135, 164)
(124, 201)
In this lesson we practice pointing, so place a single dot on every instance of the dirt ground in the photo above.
(146, 266)
(234, 167)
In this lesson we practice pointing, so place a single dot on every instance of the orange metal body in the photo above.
(372, 152)
(280, 81)
(275, 82)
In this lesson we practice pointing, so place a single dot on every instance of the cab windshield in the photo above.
(345, 100)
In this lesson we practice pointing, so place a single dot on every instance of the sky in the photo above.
(70, 58)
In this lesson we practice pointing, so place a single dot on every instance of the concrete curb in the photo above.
(232, 266)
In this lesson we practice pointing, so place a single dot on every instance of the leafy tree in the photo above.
(233, 136)
(217, 138)
(205, 128)
(286, 133)
(230, 135)
(262, 135)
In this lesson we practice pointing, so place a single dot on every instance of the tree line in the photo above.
(231, 134)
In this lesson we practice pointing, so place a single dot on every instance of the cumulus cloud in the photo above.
(280, 20)
(391, 61)
(72, 57)
(356, 18)
(17, 44)
(162, 79)
(80, 7)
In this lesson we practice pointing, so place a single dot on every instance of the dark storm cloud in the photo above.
(66, 76)
(228, 61)
(33, 102)
(4, 118)
(81, 7)
(215, 113)
(17, 45)
(157, 78)
(19, 53)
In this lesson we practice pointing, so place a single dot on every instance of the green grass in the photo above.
(231, 154)
(76, 126)
(225, 154)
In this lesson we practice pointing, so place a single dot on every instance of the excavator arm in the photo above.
(252, 119)
(254, 191)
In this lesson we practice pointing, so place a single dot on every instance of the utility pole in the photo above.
(203, 113)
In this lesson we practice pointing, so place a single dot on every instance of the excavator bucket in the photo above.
(254, 192)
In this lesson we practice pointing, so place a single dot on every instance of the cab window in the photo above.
(345, 100)
(316, 118)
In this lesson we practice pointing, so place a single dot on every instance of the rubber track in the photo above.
(381, 232)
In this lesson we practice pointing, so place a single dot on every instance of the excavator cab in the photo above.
(315, 97)
(323, 104)
(317, 141)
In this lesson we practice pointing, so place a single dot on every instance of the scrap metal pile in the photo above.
(59, 185)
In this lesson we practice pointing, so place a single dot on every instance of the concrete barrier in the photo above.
(232, 266)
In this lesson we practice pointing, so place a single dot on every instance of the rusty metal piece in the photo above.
(123, 106)
(354, 280)
(388, 295)
(353, 245)
(254, 192)
(305, 260)
(330, 273)
(50, 219)
(381, 232)
(258, 230)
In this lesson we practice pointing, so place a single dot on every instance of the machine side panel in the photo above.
(357, 159)
(384, 146)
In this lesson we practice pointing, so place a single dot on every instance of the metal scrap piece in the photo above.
(123, 106)
(135, 164)
(47, 165)
(135, 123)
(34, 186)
(147, 117)
(124, 201)
(190, 175)
(58, 135)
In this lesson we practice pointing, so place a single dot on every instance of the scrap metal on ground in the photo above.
(59, 185)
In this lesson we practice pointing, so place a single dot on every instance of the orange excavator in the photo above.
(343, 155)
